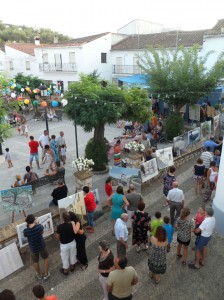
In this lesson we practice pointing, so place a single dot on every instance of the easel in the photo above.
(13, 215)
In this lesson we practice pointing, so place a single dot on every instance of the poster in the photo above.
(164, 158)
(179, 145)
(45, 220)
(149, 169)
(194, 136)
(206, 129)
(216, 126)
(10, 260)
(76, 204)
(194, 112)
(125, 176)
(17, 199)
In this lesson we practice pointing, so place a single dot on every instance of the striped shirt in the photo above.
(35, 238)
(207, 157)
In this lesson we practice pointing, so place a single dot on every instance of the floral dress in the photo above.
(140, 227)
(157, 259)
(54, 147)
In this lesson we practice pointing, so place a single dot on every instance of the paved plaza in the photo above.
(179, 282)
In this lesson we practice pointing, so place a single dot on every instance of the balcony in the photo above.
(127, 69)
(46, 67)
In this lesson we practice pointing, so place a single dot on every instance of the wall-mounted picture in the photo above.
(125, 176)
(194, 136)
(194, 112)
(216, 126)
(76, 204)
(17, 199)
(45, 220)
(149, 169)
(206, 130)
(164, 158)
(179, 145)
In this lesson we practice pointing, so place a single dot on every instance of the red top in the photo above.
(90, 202)
(108, 189)
(52, 297)
(199, 218)
(33, 146)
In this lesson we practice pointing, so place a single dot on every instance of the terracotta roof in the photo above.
(164, 39)
(86, 39)
(25, 47)
(217, 29)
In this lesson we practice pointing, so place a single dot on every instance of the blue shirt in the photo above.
(216, 160)
(169, 232)
(35, 238)
(210, 144)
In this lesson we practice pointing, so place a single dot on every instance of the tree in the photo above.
(180, 76)
(97, 103)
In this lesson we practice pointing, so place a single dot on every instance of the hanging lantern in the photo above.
(34, 91)
(12, 87)
(65, 102)
(44, 104)
(13, 95)
(20, 98)
(35, 103)
(14, 84)
(62, 95)
(18, 86)
(54, 103)
(26, 101)
(22, 90)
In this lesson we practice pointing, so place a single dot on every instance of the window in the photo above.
(103, 58)
(45, 58)
(72, 57)
(27, 65)
(11, 65)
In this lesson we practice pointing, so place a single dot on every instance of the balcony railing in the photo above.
(127, 69)
(46, 67)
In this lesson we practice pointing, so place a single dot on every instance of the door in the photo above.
(119, 65)
(58, 62)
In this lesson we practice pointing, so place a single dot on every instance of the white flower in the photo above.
(82, 163)
(135, 146)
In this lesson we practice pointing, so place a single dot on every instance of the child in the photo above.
(19, 129)
(26, 130)
(216, 158)
(63, 154)
(8, 158)
(169, 231)
(39, 293)
(156, 223)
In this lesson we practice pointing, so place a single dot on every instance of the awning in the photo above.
(138, 79)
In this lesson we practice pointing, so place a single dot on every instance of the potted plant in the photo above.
(134, 147)
(83, 164)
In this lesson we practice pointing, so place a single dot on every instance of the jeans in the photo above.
(68, 254)
(90, 216)
(175, 210)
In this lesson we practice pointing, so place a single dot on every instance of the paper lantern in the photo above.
(48, 89)
(34, 91)
(13, 95)
(44, 104)
(22, 90)
(65, 102)
(54, 87)
(62, 95)
(26, 101)
(27, 89)
(54, 103)
(18, 86)
(12, 87)
(48, 94)
(35, 103)
(14, 84)
(20, 98)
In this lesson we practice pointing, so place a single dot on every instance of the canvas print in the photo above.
(179, 145)
(194, 136)
(149, 169)
(206, 130)
(45, 220)
(164, 158)
(194, 112)
(76, 204)
(16, 199)
(126, 176)
(216, 126)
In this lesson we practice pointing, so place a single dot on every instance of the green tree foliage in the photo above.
(174, 125)
(97, 103)
(9, 33)
(180, 75)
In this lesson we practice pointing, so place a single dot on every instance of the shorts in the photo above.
(198, 178)
(35, 256)
(43, 152)
(183, 243)
(34, 155)
(202, 242)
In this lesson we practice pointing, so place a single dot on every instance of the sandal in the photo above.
(192, 266)
(64, 272)
(157, 281)
(184, 263)
(179, 255)
(201, 264)
(84, 267)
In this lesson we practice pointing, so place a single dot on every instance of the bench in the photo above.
(44, 180)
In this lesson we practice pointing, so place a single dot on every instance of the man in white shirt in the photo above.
(61, 140)
(175, 199)
(206, 228)
(43, 141)
(121, 234)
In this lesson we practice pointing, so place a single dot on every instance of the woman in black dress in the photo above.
(80, 238)
(141, 221)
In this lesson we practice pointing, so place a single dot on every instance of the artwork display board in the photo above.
(179, 145)
(45, 220)
(149, 169)
(194, 112)
(126, 176)
(206, 130)
(164, 158)
(17, 199)
(194, 136)
(10, 260)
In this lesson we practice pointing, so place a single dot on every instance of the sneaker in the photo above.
(47, 276)
(38, 275)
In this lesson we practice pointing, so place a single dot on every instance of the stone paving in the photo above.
(179, 282)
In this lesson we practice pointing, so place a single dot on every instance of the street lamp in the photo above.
(44, 105)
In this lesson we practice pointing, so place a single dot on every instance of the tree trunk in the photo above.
(99, 133)
(177, 107)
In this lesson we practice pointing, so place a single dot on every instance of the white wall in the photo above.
(2, 60)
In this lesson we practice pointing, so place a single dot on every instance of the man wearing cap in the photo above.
(121, 280)
(59, 193)
(121, 234)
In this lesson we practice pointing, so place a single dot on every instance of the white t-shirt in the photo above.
(207, 226)
(44, 139)
(175, 195)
